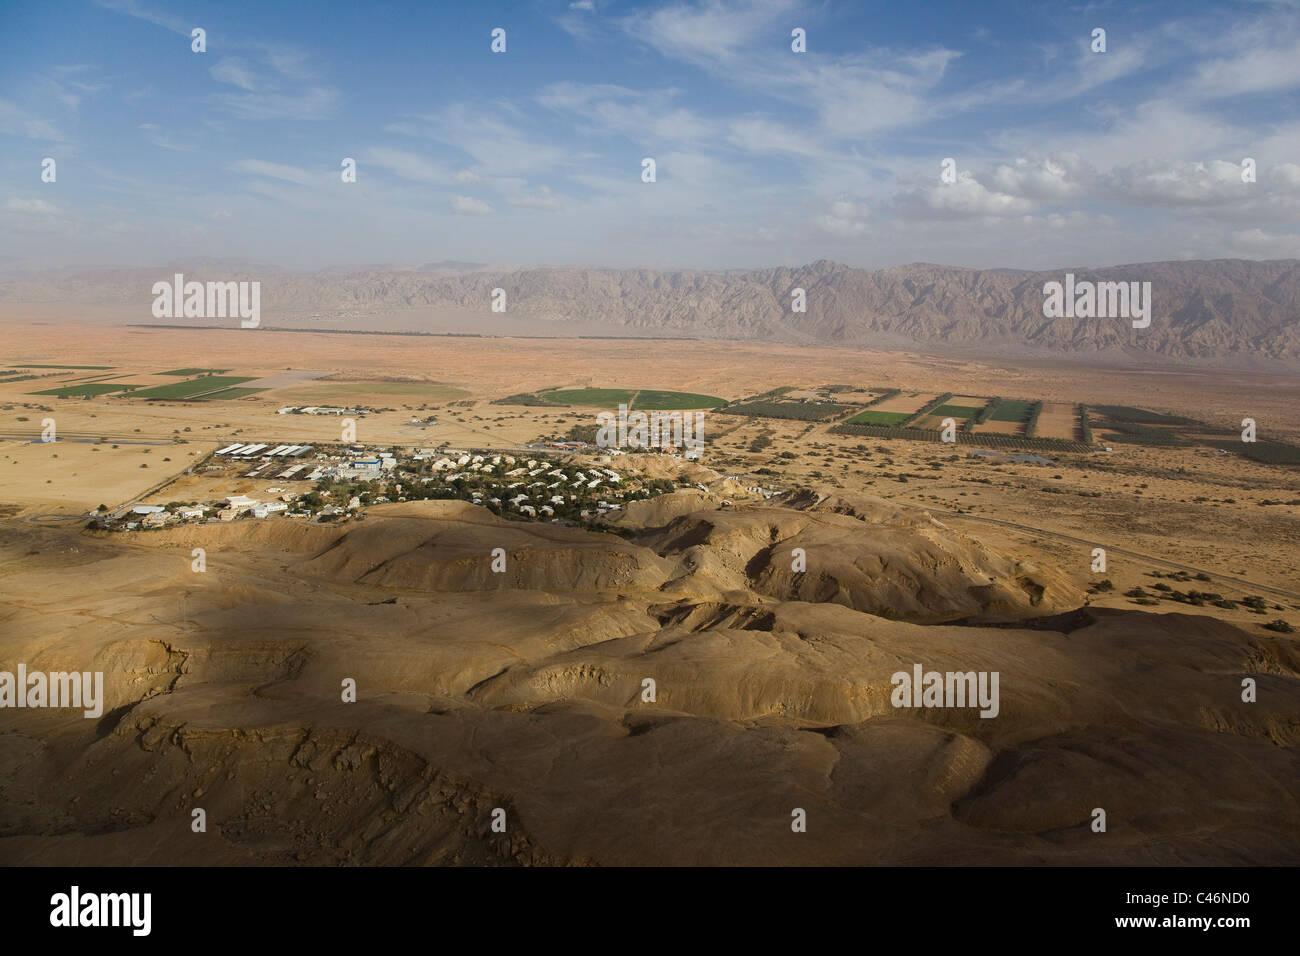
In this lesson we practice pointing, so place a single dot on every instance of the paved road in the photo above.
(1249, 586)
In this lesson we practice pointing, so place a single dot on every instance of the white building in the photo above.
(362, 468)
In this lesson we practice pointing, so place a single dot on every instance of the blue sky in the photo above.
(764, 156)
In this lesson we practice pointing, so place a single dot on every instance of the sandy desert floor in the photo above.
(523, 691)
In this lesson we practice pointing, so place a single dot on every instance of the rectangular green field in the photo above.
(1132, 433)
(192, 387)
(334, 393)
(653, 399)
(101, 378)
(193, 371)
(798, 411)
(870, 417)
(955, 411)
(229, 393)
(1011, 411)
(78, 391)
(1139, 416)
(1268, 452)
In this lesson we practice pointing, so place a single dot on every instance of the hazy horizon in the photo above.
(204, 263)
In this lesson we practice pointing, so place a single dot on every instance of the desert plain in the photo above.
(524, 691)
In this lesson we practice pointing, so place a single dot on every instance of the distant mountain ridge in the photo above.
(1221, 308)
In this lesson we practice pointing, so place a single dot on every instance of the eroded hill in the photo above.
(525, 690)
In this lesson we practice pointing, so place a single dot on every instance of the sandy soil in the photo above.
(1058, 420)
(1001, 428)
(904, 402)
(523, 690)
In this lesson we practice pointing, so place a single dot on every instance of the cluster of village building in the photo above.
(322, 410)
(346, 480)
(530, 488)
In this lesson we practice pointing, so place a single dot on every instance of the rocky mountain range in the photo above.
(1224, 309)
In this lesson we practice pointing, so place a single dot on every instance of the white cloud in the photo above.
(289, 174)
(1169, 129)
(543, 200)
(235, 71)
(1258, 244)
(1262, 63)
(468, 206)
(161, 138)
(411, 166)
(132, 8)
(849, 94)
(967, 198)
(17, 122)
(1051, 178)
(38, 207)
(708, 34)
(757, 135)
(647, 116)
(845, 218)
(497, 147)
(1152, 182)
(312, 103)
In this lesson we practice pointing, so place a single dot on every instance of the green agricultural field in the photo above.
(771, 393)
(1011, 410)
(870, 417)
(646, 399)
(1139, 416)
(799, 411)
(1134, 434)
(344, 394)
(1268, 452)
(1011, 442)
(654, 400)
(955, 411)
(79, 391)
(531, 399)
(194, 371)
(229, 393)
(599, 397)
(192, 387)
(102, 378)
